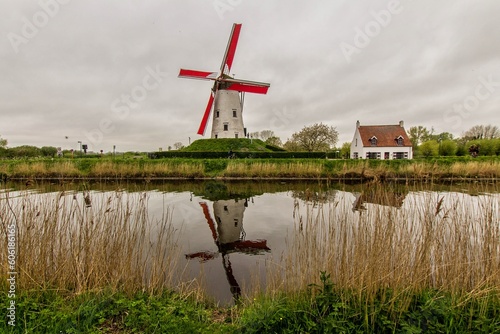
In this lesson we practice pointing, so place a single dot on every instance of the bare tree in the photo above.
(266, 134)
(317, 137)
(178, 145)
(254, 135)
(482, 132)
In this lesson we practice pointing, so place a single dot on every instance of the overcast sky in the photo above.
(105, 72)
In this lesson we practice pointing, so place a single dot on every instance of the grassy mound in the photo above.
(226, 144)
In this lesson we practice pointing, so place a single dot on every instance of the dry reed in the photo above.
(91, 241)
(448, 243)
(270, 169)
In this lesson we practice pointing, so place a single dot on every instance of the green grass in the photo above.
(322, 308)
(327, 309)
(226, 144)
(51, 311)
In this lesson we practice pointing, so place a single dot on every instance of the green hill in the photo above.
(227, 144)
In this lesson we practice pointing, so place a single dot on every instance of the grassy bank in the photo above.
(326, 310)
(97, 263)
(458, 168)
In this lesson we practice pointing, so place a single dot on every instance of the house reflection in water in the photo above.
(229, 236)
(379, 195)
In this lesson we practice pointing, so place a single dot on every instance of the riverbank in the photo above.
(446, 169)
(323, 309)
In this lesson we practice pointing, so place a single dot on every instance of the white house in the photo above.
(381, 142)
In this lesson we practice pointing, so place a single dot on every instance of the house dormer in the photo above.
(373, 141)
(400, 141)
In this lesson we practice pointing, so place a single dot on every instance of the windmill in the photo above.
(228, 94)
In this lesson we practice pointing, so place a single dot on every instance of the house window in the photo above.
(400, 155)
(217, 114)
(386, 155)
(372, 155)
(226, 127)
(373, 141)
(234, 112)
(356, 142)
(400, 141)
(355, 155)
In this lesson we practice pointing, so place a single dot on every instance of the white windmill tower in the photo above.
(227, 93)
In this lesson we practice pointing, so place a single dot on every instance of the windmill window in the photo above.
(217, 113)
(234, 112)
(226, 127)
(236, 135)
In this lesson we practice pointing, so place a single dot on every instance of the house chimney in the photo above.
(357, 124)
(401, 124)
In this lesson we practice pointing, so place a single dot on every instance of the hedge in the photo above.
(242, 155)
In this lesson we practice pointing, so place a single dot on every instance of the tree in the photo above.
(274, 141)
(482, 132)
(345, 150)
(254, 135)
(441, 137)
(266, 134)
(418, 134)
(292, 146)
(49, 151)
(317, 137)
(25, 151)
(448, 148)
(429, 148)
(3, 142)
(178, 145)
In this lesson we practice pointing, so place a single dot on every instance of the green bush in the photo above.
(429, 149)
(448, 148)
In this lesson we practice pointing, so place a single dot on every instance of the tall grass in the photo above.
(299, 169)
(251, 168)
(431, 243)
(90, 241)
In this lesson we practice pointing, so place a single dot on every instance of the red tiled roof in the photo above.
(386, 135)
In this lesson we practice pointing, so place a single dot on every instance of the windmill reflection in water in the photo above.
(229, 237)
